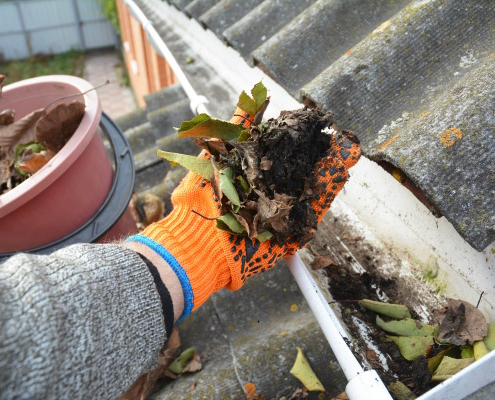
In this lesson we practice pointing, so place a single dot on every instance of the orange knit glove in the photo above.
(207, 259)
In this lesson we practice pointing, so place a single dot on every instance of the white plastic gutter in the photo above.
(362, 385)
(198, 102)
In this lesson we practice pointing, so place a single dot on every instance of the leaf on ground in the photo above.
(406, 327)
(300, 393)
(401, 391)
(7, 117)
(274, 213)
(302, 371)
(395, 311)
(434, 362)
(489, 339)
(21, 131)
(450, 366)
(204, 126)
(141, 388)
(479, 349)
(321, 262)
(178, 365)
(55, 129)
(230, 224)
(200, 166)
(30, 162)
(461, 323)
(194, 364)
(467, 351)
(412, 347)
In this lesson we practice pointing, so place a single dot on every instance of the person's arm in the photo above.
(83, 322)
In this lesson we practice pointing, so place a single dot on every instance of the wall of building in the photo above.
(148, 71)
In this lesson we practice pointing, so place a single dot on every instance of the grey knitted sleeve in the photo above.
(82, 323)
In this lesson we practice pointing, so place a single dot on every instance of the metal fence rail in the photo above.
(30, 27)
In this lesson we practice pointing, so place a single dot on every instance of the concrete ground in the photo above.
(116, 99)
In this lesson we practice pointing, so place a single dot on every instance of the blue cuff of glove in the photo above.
(176, 267)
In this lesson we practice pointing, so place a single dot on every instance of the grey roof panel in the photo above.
(319, 36)
(180, 4)
(262, 23)
(417, 76)
(197, 8)
(227, 13)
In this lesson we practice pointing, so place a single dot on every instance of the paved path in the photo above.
(116, 100)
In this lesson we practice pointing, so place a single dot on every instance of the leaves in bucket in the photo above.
(55, 129)
(7, 117)
(207, 127)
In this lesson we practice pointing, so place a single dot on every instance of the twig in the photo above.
(202, 216)
(479, 300)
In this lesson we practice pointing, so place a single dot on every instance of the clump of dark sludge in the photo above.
(280, 158)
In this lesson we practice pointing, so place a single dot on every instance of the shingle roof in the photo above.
(412, 79)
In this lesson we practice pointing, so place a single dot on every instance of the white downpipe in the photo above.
(362, 384)
(197, 102)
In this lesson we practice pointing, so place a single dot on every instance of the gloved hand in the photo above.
(207, 259)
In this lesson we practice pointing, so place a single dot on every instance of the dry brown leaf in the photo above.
(462, 322)
(274, 213)
(300, 393)
(59, 124)
(154, 208)
(5, 172)
(244, 223)
(250, 163)
(31, 163)
(141, 388)
(21, 131)
(194, 364)
(341, 396)
(265, 164)
(7, 117)
(215, 180)
(322, 262)
(213, 146)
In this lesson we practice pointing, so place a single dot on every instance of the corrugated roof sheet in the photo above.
(412, 79)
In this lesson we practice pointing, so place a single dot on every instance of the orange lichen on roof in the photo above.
(450, 136)
(385, 144)
(423, 115)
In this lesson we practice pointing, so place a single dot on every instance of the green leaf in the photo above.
(200, 166)
(178, 365)
(489, 339)
(395, 311)
(406, 327)
(401, 391)
(467, 351)
(204, 126)
(259, 94)
(302, 371)
(264, 236)
(450, 366)
(230, 224)
(434, 362)
(228, 189)
(247, 104)
(244, 184)
(412, 347)
(479, 349)
(245, 135)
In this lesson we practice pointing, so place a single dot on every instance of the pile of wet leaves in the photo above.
(264, 174)
(418, 355)
(29, 143)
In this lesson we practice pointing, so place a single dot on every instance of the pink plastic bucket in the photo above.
(67, 191)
